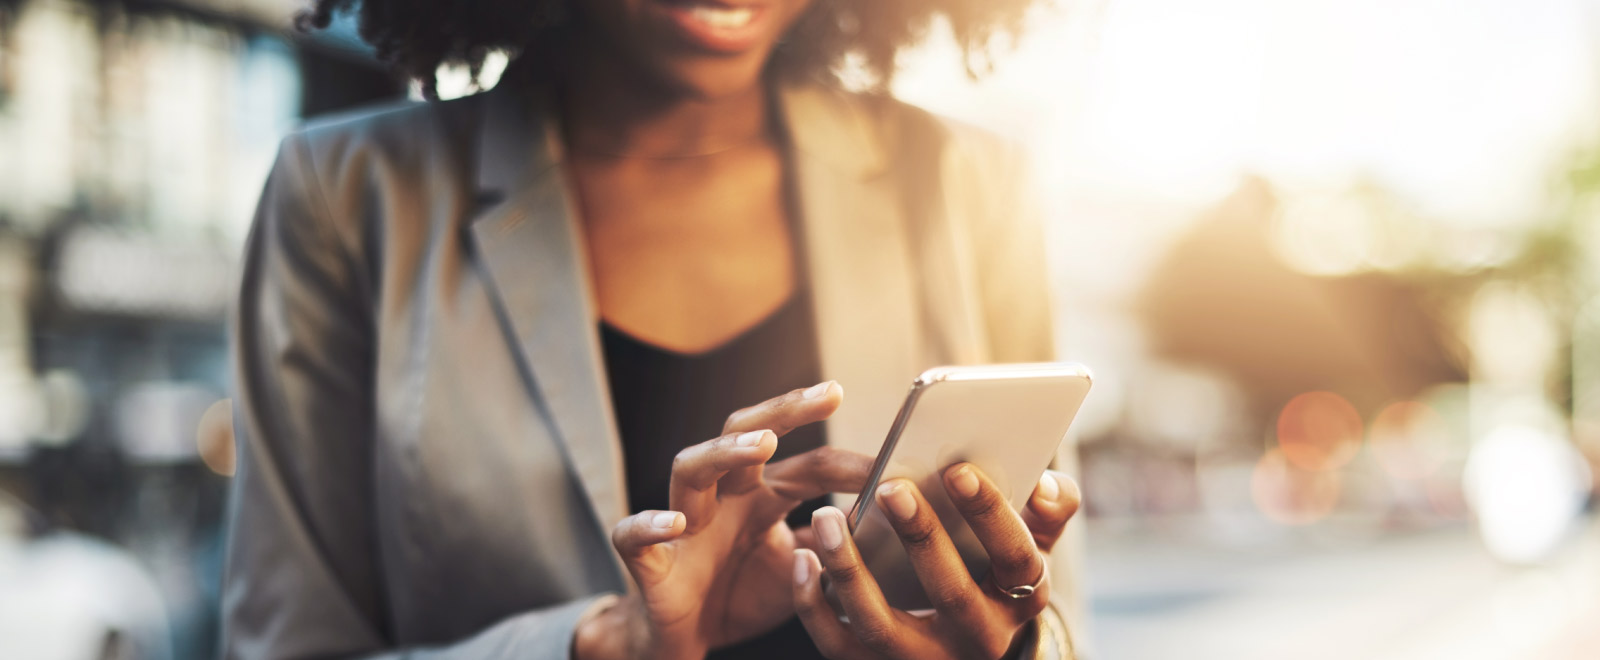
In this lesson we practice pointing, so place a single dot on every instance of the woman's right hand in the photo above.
(716, 568)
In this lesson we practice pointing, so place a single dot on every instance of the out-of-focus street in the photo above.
(1425, 595)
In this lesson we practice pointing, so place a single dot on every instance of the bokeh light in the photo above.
(1409, 439)
(1319, 431)
(1512, 336)
(1527, 487)
(214, 437)
(1287, 494)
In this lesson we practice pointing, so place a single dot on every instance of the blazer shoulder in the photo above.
(337, 177)
(336, 160)
(400, 137)
(870, 132)
(957, 139)
(391, 120)
(910, 133)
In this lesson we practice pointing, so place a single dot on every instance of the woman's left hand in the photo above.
(971, 620)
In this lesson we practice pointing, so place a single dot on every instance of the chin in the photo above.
(710, 79)
(703, 49)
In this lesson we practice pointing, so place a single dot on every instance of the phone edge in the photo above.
(859, 510)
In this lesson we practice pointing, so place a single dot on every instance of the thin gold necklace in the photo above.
(704, 154)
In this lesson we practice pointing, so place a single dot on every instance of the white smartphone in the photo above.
(1007, 420)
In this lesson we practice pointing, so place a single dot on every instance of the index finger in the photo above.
(819, 472)
(697, 470)
(786, 412)
(780, 415)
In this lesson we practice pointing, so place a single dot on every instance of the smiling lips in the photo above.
(722, 18)
(715, 25)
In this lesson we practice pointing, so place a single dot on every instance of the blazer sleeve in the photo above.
(303, 577)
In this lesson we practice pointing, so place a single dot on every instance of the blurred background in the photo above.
(1334, 262)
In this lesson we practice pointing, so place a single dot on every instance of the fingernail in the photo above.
(965, 482)
(665, 519)
(830, 527)
(898, 500)
(750, 439)
(802, 567)
(1048, 488)
(817, 390)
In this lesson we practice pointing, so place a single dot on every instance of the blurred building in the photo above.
(134, 139)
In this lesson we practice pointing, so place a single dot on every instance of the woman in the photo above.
(474, 336)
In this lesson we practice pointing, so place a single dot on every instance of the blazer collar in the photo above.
(515, 141)
(859, 252)
(825, 124)
(532, 254)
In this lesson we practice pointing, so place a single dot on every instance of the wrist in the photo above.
(604, 632)
(620, 629)
(1025, 644)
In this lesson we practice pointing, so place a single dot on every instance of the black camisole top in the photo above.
(666, 401)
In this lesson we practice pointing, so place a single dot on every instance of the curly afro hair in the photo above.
(417, 36)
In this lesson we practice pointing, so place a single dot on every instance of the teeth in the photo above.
(723, 18)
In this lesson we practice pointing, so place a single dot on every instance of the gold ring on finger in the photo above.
(1023, 591)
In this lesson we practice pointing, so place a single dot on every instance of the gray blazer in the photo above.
(428, 463)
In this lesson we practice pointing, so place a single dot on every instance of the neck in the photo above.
(610, 111)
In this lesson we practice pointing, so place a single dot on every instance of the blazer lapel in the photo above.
(534, 259)
(859, 255)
